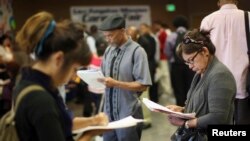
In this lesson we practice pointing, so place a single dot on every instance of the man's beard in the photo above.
(114, 44)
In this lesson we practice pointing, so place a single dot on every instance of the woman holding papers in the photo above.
(212, 92)
(58, 49)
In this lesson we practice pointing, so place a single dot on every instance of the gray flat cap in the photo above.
(112, 22)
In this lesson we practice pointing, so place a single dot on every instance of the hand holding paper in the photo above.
(123, 123)
(156, 107)
(91, 77)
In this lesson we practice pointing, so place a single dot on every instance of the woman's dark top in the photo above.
(41, 115)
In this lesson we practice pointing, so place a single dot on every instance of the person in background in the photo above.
(162, 71)
(126, 71)
(100, 41)
(149, 44)
(212, 92)
(6, 54)
(228, 34)
(7, 76)
(133, 32)
(97, 94)
(90, 40)
(162, 37)
(167, 29)
(59, 49)
(181, 75)
(83, 96)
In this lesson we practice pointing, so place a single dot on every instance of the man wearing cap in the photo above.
(126, 71)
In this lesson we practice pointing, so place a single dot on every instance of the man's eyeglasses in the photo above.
(191, 61)
(188, 40)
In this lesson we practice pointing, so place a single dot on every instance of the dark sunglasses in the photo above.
(188, 40)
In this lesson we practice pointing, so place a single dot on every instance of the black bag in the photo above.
(183, 134)
(248, 81)
(248, 52)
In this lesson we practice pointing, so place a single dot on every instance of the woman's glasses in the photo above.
(191, 61)
(188, 40)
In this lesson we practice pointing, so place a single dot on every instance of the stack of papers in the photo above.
(123, 123)
(91, 77)
(156, 107)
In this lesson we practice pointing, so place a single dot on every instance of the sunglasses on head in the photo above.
(188, 40)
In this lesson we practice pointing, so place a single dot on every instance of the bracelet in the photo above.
(186, 124)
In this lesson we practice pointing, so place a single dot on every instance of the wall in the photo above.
(60, 8)
(198, 9)
(194, 9)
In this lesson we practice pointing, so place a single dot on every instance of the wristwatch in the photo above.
(186, 124)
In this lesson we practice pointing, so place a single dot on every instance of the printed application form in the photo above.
(156, 107)
(91, 77)
(122, 123)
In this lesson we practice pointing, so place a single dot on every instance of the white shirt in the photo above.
(157, 51)
(228, 34)
(91, 43)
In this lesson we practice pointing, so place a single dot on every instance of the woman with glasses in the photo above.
(212, 91)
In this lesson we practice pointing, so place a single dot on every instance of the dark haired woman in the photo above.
(59, 50)
(212, 91)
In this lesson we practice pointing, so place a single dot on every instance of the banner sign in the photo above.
(94, 15)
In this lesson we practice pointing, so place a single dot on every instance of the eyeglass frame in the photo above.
(191, 61)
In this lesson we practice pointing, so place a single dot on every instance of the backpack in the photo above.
(180, 36)
(7, 124)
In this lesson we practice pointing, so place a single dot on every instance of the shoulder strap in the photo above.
(133, 58)
(247, 31)
(26, 91)
(22, 94)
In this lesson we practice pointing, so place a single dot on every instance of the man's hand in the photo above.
(108, 81)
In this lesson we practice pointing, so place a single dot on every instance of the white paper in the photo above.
(156, 107)
(91, 77)
(123, 123)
